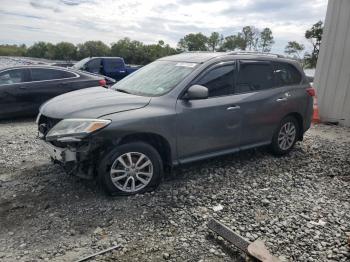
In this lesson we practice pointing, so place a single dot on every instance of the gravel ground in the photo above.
(298, 204)
(6, 61)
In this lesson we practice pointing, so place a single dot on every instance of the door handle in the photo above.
(233, 108)
(22, 87)
(281, 99)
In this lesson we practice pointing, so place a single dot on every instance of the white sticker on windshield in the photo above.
(186, 64)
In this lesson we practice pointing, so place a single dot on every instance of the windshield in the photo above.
(81, 63)
(155, 79)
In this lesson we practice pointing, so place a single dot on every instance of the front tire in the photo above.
(131, 168)
(285, 136)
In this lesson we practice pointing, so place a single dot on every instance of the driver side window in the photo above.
(219, 81)
(94, 66)
(12, 77)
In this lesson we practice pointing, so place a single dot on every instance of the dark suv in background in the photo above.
(176, 110)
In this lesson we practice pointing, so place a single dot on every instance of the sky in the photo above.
(77, 21)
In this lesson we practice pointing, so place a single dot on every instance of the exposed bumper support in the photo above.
(62, 155)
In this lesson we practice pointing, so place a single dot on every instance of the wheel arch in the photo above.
(300, 121)
(157, 141)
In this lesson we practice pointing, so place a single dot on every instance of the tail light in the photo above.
(311, 91)
(102, 82)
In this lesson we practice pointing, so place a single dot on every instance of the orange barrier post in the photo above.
(316, 116)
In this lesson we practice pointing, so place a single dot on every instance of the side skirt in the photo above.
(219, 153)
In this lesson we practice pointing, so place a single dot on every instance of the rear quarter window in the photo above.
(40, 74)
(285, 74)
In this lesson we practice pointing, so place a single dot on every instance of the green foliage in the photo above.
(13, 50)
(314, 35)
(294, 48)
(194, 42)
(65, 51)
(233, 42)
(135, 52)
(214, 41)
(38, 49)
(251, 36)
(93, 48)
(266, 40)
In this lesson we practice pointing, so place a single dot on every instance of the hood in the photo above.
(91, 103)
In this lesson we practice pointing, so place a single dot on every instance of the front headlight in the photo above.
(77, 128)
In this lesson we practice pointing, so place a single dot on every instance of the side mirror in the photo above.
(196, 92)
(310, 79)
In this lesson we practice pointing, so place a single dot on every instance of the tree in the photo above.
(13, 50)
(266, 40)
(194, 42)
(294, 48)
(65, 51)
(50, 52)
(214, 41)
(251, 36)
(93, 48)
(135, 52)
(233, 42)
(37, 50)
(131, 51)
(314, 35)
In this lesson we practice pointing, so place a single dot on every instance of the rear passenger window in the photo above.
(40, 74)
(254, 76)
(219, 81)
(285, 74)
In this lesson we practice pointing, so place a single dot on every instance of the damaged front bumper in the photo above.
(57, 154)
(79, 160)
(79, 156)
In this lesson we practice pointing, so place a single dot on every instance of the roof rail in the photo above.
(255, 53)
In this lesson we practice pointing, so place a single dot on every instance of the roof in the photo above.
(37, 66)
(193, 57)
(201, 57)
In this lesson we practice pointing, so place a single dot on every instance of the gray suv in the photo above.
(176, 110)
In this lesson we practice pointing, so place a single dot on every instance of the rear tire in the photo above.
(130, 169)
(285, 136)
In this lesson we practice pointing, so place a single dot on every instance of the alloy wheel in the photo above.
(131, 172)
(286, 136)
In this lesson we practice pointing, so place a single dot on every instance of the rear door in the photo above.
(209, 126)
(12, 84)
(263, 103)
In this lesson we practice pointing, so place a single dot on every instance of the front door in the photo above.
(12, 84)
(209, 126)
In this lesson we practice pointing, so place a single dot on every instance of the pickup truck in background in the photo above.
(113, 67)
